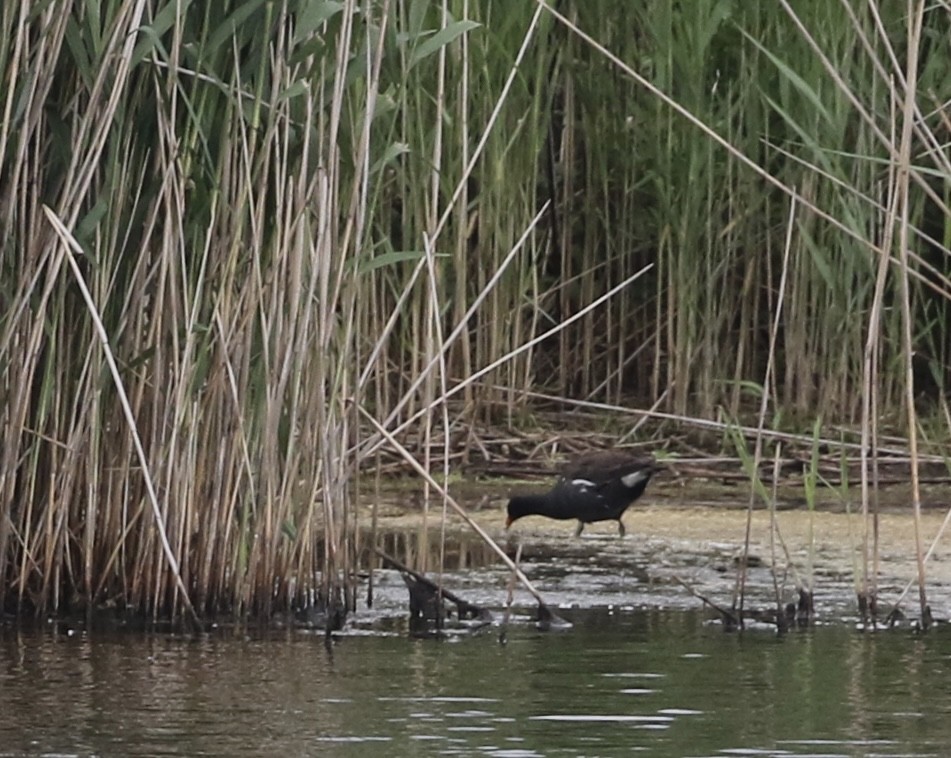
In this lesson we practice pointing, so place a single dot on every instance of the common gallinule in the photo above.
(596, 486)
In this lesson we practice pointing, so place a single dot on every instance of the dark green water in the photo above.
(651, 682)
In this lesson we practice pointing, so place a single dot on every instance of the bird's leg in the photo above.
(620, 528)
(579, 529)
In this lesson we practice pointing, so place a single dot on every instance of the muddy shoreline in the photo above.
(682, 544)
(679, 538)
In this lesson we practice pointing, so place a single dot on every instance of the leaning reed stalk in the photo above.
(71, 248)
(459, 510)
(375, 443)
(372, 443)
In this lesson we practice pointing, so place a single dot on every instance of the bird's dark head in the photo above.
(509, 515)
(519, 505)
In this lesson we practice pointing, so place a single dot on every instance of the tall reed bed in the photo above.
(289, 215)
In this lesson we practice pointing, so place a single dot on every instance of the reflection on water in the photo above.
(421, 549)
(660, 683)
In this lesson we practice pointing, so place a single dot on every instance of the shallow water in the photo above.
(662, 683)
(643, 669)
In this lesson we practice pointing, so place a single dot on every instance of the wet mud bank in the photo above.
(681, 553)
(677, 555)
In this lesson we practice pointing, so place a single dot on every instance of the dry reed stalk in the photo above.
(460, 511)
(374, 444)
(773, 532)
(455, 334)
(440, 349)
(720, 426)
(916, 14)
(460, 247)
(738, 596)
(443, 219)
(868, 591)
(72, 248)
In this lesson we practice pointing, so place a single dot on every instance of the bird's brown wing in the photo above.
(604, 465)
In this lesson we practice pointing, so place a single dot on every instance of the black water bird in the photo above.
(596, 486)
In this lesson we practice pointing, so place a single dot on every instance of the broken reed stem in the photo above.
(728, 615)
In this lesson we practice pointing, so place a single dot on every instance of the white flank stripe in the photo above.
(634, 478)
